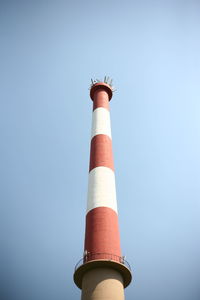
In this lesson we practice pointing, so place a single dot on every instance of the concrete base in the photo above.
(102, 284)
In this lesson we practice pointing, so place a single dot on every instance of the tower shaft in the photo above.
(103, 274)
(102, 233)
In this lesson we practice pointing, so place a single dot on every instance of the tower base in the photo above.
(102, 283)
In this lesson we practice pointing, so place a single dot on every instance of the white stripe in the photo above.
(101, 122)
(101, 189)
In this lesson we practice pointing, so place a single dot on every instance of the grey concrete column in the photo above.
(102, 284)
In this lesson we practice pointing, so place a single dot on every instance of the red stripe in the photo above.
(101, 152)
(101, 99)
(102, 234)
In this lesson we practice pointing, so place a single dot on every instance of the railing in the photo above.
(104, 256)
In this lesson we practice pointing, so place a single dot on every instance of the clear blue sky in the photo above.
(49, 50)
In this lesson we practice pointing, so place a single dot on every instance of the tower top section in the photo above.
(105, 85)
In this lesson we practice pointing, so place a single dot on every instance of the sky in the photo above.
(49, 51)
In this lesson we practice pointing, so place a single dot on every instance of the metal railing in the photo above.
(104, 256)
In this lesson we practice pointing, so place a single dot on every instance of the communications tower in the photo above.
(102, 273)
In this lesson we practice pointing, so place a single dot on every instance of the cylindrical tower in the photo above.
(102, 273)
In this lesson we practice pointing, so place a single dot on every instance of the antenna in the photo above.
(106, 80)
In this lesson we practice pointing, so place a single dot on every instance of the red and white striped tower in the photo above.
(103, 272)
